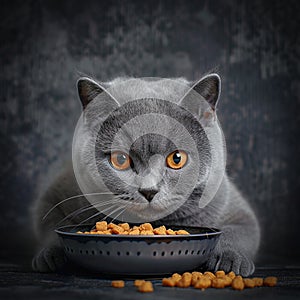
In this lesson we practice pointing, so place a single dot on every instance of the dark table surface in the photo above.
(17, 281)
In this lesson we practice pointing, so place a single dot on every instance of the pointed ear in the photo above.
(89, 89)
(209, 87)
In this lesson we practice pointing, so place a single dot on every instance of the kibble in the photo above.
(117, 230)
(270, 281)
(170, 232)
(118, 283)
(195, 277)
(181, 232)
(238, 283)
(160, 230)
(134, 232)
(249, 283)
(101, 226)
(139, 282)
(203, 283)
(146, 287)
(184, 282)
(231, 274)
(210, 275)
(176, 277)
(220, 273)
(258, 281)
(218, 283)
(168, 282)
(124, 228)
(218, 280)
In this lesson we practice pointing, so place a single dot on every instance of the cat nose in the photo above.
(148, 193)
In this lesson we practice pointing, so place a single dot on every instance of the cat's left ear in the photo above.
(209, 87)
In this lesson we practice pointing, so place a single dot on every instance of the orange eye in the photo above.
(177, 159)
(120, 160)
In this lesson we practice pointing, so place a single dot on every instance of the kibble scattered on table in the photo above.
(198, 280)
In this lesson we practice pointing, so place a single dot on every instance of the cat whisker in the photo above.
(71, 198)
(120, 213)
(124, 209)
(125, 206)
(75, 213)
(112, 212)
(83, 209)
(85, 220)
(95, 215)
(129, 205)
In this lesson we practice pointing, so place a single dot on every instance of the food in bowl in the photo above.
(103, 227)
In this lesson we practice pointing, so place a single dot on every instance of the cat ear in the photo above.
(88, 89)
(209, 87)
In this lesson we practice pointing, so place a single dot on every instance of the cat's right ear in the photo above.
(88, 90)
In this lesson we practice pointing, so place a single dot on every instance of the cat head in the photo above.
(150, 146)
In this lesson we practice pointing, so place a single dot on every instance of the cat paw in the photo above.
(49, 259)
(230, 260)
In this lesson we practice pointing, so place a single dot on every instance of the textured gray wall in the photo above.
(254, 45)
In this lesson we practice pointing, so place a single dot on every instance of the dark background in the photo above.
(254, 45)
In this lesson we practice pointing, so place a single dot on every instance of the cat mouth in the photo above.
(140, 204)
(136, 206)
(139, 209)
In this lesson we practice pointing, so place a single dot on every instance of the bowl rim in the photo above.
(209, 232)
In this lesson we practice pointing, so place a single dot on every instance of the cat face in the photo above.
(151, 155)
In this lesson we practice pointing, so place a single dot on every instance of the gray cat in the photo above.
(149, 150)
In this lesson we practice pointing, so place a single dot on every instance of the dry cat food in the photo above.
(118, 283)
(139, 282)
(217, 280)
(123, 228)
(146, 287)
(270, 281)
(143, 286)
(198, 280)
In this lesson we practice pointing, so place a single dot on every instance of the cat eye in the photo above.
(176, 159)
(120, 160)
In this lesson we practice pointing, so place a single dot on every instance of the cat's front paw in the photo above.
(231, 260)
(49, 259)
